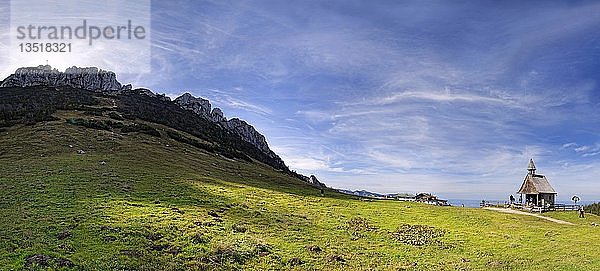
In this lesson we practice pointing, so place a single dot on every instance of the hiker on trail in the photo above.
(512, 199)
(581, 212)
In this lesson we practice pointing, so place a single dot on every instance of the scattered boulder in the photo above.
(314, 248)
(263, 249)
(295, 261)
(40, 260)
(64, 235)
(336, 258)
(213, 213)
(62, 262)
(239, 228)
(174, 250)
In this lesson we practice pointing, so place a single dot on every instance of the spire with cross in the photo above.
(531, 167)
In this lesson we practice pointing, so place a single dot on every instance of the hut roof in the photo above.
(536, 184)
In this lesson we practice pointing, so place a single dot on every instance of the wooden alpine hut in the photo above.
(536, 188)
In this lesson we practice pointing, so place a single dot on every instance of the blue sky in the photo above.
(449, 97)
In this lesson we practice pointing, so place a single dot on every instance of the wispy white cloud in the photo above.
(226, 100)
(444, 97)
(583, 150)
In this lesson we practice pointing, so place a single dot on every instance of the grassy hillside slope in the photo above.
(140, 202)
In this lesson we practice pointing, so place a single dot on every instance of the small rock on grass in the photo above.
(295, 261)
(64, 235)
(213, 214)
(335, 258)
(65, 263)
(239, 228)
(38, 259)
(313, 248)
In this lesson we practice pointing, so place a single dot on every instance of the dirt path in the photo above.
(511, 211)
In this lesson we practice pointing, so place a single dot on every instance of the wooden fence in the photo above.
(559, 207)
(537, 209)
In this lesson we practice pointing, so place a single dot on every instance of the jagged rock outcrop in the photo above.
(217, 115)
(248, 133)
(197, 105)
(311, 180)
(314, 181)
(148, 92)
(202, 107)
(93, 79)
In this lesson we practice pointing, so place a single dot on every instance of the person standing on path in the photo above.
(581, 212)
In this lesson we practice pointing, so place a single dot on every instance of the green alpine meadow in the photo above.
(134, 201)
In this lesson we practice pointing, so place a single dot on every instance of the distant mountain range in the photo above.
(365, 193)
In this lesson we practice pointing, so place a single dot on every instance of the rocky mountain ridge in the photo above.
(90, 78)
(105, 82)
(203, 108)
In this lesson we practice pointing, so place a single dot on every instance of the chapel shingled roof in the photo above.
(535, 183)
